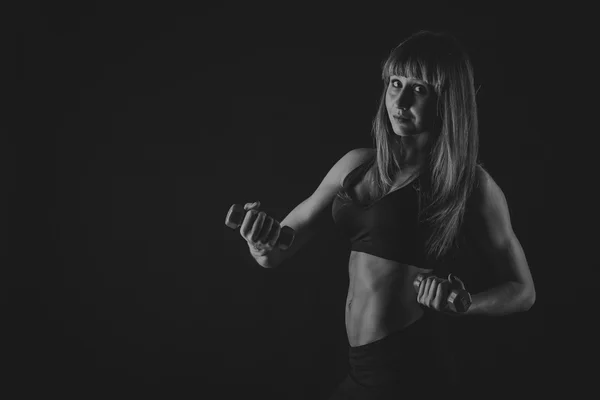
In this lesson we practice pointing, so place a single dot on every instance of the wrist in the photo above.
(257, 253)
(261, 256)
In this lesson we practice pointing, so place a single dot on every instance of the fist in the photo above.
(259, 230)
(433, 291)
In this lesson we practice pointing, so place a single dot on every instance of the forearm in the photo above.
(507, 298)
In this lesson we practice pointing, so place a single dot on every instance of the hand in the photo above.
(260, 231)
(433, 292)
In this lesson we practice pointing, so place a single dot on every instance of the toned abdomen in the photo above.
(381, 298)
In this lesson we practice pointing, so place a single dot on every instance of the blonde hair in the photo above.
(448, 178)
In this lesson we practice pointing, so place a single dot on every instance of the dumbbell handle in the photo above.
(459, 300)
(235, 217)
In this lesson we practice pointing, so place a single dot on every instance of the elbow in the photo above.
(532, 298)
(528, 299)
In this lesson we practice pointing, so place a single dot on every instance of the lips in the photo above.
(402, 118)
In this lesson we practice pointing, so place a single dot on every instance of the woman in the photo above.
(403, 206)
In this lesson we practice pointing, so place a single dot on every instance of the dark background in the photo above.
(144, 122)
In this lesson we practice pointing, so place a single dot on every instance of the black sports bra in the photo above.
(388, 228)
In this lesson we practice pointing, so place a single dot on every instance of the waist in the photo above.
(374, 276)
(416, 332)
(381, 297)
(371, 319)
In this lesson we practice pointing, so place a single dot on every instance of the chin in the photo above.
(403, 133)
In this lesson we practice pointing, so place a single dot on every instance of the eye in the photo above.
(396, 83)
(420, 89)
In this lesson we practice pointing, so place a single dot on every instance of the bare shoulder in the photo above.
(357, 156)
(486, 191)
(351, 160)
(489, 209)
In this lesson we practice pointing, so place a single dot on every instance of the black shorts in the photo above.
(410, 361)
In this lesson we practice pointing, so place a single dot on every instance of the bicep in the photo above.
(305, 217)
(305, 213)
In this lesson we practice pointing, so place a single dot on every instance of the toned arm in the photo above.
(304, 218)
(492, 231)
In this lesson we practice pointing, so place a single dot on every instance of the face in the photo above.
(411, 106)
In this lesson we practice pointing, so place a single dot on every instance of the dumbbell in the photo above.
(235, 217)
(459, 300)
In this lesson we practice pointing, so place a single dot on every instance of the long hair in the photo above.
(448, 178)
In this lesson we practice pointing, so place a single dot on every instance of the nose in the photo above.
(404, 98)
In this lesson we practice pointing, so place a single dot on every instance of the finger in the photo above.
(421, 291)
(460, 282)
(266, 228)
(426, 292)
(257, 226)
(456, 281)
(441, 295)
(275, 231)
(432, 291)
(247, 224)
(254, 205)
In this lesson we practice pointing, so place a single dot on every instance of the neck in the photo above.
(415, 149)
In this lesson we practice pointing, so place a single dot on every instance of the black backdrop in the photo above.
(145, 122)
